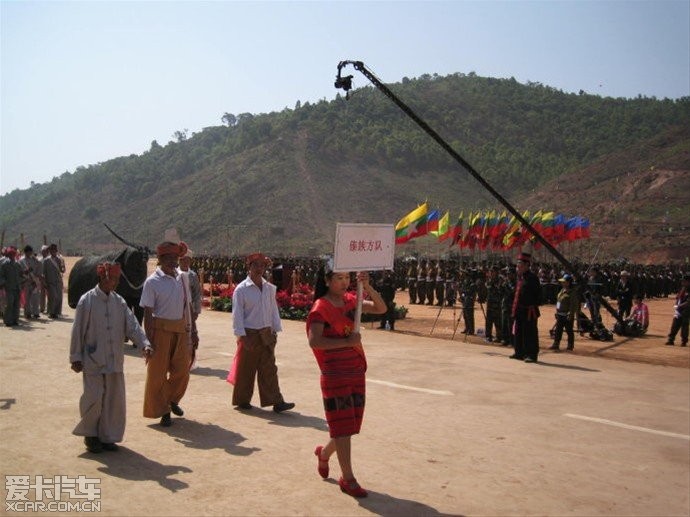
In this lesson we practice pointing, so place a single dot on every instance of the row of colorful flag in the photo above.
(489, 229)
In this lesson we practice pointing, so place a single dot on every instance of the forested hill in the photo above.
(280, 181)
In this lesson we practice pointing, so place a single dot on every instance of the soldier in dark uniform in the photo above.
(451, 287)
(526, 312)
(440, 284)
(421, 282)
(595, 284)
(493, 306)
(412, 281)
(624, 295)
(468, 295)
(507, 297)
(430, 283)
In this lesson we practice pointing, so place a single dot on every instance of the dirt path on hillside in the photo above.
(318, 212)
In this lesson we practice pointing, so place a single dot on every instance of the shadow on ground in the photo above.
(128, 464)
(197, 435)
(288, 418)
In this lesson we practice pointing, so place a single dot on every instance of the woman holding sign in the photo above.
(337, 346)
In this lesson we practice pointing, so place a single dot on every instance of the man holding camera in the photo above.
(567, 305)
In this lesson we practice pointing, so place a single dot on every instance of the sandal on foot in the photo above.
(323, 464)
(351, 487)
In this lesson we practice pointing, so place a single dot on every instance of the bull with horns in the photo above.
(133, 262)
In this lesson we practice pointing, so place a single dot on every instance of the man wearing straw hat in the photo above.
(102, 320)
(256, 322)
(194, 283)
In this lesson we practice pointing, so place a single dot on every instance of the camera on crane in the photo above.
(344, 82)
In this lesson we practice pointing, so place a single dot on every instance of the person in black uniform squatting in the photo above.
(526, 312)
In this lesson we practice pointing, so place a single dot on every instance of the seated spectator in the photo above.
(638, 322)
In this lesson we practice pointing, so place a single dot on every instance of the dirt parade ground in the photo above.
(452, 427)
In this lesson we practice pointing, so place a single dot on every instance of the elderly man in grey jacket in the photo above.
(101, 322)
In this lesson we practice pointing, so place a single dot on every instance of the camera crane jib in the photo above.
(345, 83)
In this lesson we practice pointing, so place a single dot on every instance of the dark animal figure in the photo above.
(133, 262)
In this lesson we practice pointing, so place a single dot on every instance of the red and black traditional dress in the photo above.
(342, 369)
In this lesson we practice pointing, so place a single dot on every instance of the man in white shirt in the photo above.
(256, 321)
(172, 333)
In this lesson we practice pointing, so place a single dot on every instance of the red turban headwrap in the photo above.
(108, 269)
(524, 257)
(170, 248)
(254, 257)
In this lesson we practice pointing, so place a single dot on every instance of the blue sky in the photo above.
(84, 82)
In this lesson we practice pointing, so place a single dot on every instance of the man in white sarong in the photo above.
(101, 322)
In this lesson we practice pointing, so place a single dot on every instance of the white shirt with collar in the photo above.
(164, 294)
(254, 308)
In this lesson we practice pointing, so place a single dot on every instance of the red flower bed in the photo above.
(301, 298)
(293, 306)
(222, 290)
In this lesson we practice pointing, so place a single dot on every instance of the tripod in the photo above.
(438, 314)
(457, 324)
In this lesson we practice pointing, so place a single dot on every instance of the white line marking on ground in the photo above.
(627, 426)
(411, 388)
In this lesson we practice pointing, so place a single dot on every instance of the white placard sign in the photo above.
(364, 247)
